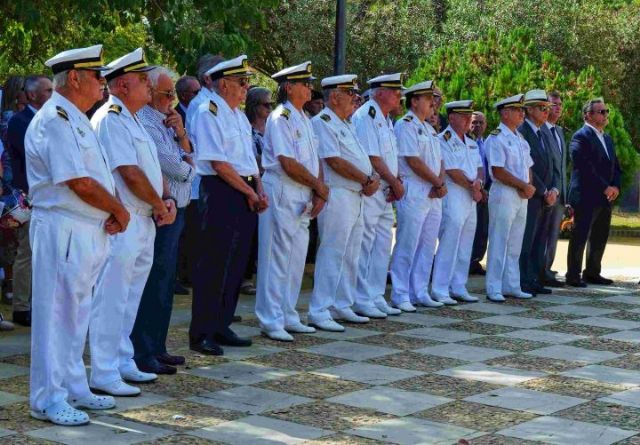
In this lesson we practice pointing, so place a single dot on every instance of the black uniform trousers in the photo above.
(226, 234)
(534, 242)
(482, 233)
(591, 223)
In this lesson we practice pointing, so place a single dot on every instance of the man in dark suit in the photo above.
(595, 184)
(560, 157)
(546, 179)
(478, 127)
(187, 87)
(38, 90)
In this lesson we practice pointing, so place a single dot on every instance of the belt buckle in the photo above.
(249, 178)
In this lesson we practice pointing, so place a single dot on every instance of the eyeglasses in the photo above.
(349, 92)
(604, 112)
(543, 108)
(242, 81)
(267, 104)
(170, 94)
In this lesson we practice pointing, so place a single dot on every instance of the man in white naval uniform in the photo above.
(509, 162)
(420, 210)
(133, 159)
(293, 182)
(349, 174)
(74, 210)
(375, 132)
(464, 179)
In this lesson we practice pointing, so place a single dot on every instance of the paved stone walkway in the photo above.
(560, 369)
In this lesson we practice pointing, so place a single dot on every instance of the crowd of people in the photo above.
(132, 193)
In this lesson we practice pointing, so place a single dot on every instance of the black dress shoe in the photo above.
(236, 319)
(477, 269)
(206, 347)
(553, 283)
(154, 366)
(598, 279)
(179, 289)
(230, 338)
(542, 290)
(169, 359)
(530, 290)
(575, 282)
(22, 318)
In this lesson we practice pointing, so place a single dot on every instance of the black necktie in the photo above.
(541, 141)
(555, 135)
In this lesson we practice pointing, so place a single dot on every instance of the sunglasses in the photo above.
(267, 104)
(543, 108)
(604, 112)
(242, 81)
(170, 94)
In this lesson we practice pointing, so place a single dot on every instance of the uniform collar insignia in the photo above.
(447, 135)
(496, 132)
(407, 118)
(62, 113)
(286, 112)
(213, 107)
(372, 111)
(325, 117)
(115, 108)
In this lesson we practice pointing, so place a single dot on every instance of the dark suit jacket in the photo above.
(546, 173)
(15, 145)
(560, 158)
(182, 113)
(593, 171)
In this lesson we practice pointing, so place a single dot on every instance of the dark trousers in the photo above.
(312, 250)
(188, 245)
(482, 233)
(534, 243)
(252, 264)
(149, 333)
(552, 243)
(225, 240)
(590, 224)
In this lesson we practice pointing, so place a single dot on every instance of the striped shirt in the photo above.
(178, 173)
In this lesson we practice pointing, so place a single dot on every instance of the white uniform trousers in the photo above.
(117, 299)
(340, 227)
(418, 222)
(375, 251)
(457, 230)
(68, 254)
(283, 234)
(507, 220)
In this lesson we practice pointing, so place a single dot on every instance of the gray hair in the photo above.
(60, 79)
(479, 113)
(588, 107)
(326, 94)
(182, 84)
(254, 96)
(215, 85)
(31, 82)
(158, 71)
(205, 63)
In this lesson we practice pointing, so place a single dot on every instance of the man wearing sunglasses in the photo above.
(595, 184)
(546, 179)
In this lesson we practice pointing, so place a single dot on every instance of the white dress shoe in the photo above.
(94, 402)
(382, 306)
(62, 414)
(118, 389)
(464, 296)
(328, 325)
(299, 328)
(405, 306)
(426, 301)
(137, 376)
(371, 312)
(519, 294)
(278, 335)
(445, 299)
(496, 298)
(348, 315)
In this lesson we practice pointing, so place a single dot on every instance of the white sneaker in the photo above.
(426, 301)
(328, 325)
(496, 298)
(464, 296)
(382, 306)
(62, 414)
(520, 294)
(299, 328)
(278, 335)
(94, 402)
(348, 315)
(405, 306)
(137, 376)
(118, 389)
(371, 312)
(445, 299)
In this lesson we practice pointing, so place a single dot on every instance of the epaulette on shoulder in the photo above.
(471, 136)
(325, 117)
(372, 112)
(62, 113)
(496, 132)
(115, 108)
(447, 135)
(213, 107)
(286, 113)
(407, 118)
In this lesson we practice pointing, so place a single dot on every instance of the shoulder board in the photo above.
(286, 113)
(213, 107)
(447, 135)
(62, 113)
(471, 136)
(325, 117)
(372, 112)
(115, 108)
(496, 132)
(407, 118)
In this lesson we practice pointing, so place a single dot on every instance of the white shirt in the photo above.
(337, 138)
(510, 150)
(551, 126)
(416, 138)
(126, 142)
(204, 95)
(600, 137)
(459, 155)
(58, 149)
(223, 134)
(375, 133)
(289, 133)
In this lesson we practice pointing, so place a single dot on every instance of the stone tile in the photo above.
(351, 351)
(367, 373)
(628, 299)
(521, 399)
(562, 352)
(142, 401)
(184, 385)
(637, 311)
(241, 373)
(301, 341)
(102, 430)
(454, 312)
(390, 400)
(560, 299)
(417, 362)
(388, 325)
(611, 323)
(15, 345)
(568, 386)
(181, 439)
(344, 439)
(607, 344)
(492, 374)
(236, 353)
(464, 352)
(258, 430)
(397, 341)
(629, 361)
(490, 308)
(244, 331)
(533, 363)
(558, 431)
(349, 333)
(473, 327)
(7, 370)
(606, 374)
(413, 431)
(577, 329)
(630, 397)
(515, 321)
(426, 320)
(585, 311)
(298, 360)
(630, 336)
(312, 385)
(604, 413)
(508, 344)
(444, 386)
(7, 398)
(24, 360)
(249, 399)
(543, 336)
(4, 433)
(439, 334)
(496, 439)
